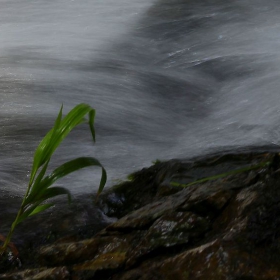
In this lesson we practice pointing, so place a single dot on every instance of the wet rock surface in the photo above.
(225, 228)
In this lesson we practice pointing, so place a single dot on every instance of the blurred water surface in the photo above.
(168, 78)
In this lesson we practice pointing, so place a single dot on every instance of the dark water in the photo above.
(168, 78)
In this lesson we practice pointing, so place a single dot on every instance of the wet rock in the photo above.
(176, 228)
(227, 228)
(9, 259)
(90, 249)
(150, 184)
(145, 216)
(171, 229)
(213, 260)
(141, 190)
(73, 222)
(208, 201)
(58, 273)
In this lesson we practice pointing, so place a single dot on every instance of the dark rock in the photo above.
(141, 190)
(227, 228)
(145, 216)
(153, 183)
(171, 229)
(58, 273)
(216, 260)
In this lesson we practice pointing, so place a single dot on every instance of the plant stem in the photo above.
(9, 236)
(13, 226)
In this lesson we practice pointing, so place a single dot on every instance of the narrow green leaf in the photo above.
(72, 166)
(23, 217)
(52, 192)
(102, 181)
(55, 136)
(40, 208)
(36, 185)
(58, 120)
(38, 156)
(41, 150)
(29, 209)
(91, 123)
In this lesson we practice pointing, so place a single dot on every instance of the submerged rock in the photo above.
(227, 228)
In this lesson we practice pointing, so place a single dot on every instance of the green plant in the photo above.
(40, 187)
(157, 161)
(218, 176)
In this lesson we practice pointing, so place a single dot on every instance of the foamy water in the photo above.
(168, 79)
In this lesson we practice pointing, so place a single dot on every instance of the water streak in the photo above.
(168, 79)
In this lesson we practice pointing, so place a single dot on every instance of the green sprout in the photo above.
(40, 187)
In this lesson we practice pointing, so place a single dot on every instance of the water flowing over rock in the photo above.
(227, 228)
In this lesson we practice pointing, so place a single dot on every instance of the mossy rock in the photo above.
(150, 184)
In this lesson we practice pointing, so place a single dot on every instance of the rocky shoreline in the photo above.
(227, 228)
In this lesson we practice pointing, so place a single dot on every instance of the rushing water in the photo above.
(168, 78)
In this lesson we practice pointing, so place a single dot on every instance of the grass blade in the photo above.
(91, 122)
(40, 208)
(52, 192)
(36, 186)
(56, 135)
(71, 166)
(232, 172)
(26, 213)
(102, 182)
(41, 150)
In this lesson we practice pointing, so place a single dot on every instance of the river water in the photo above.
(168, 79)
